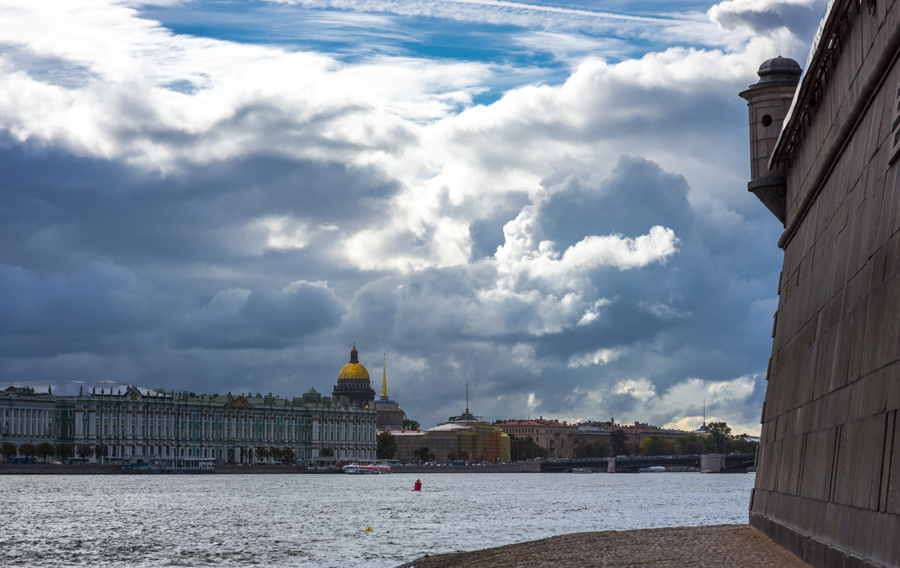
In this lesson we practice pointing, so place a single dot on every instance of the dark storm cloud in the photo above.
(172, 245)
(766, 16)
(59, 212)
(102, 298)
(634, 197)
(264, 318)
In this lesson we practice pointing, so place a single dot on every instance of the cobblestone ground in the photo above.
(718, 546)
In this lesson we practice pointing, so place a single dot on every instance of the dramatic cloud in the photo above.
(197, 199)
(765, 16)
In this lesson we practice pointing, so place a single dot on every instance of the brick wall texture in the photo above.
(828, 481)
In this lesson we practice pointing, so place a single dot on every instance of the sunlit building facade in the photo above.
(559, 438)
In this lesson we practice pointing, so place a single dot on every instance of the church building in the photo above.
(353, 382)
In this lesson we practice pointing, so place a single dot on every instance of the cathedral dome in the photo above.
(354, 370)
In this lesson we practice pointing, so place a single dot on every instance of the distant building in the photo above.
(390, 415)
(587, 433)
(408, 441)
(141, 425)
(465, 436)
(702, 430)
(558, 438)
(746, 438)
(353, 382)
(640, 431)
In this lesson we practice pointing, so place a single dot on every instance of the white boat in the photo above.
(581, 470)
(356, 469)
(653, 469)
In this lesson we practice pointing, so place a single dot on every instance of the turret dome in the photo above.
(779, 70)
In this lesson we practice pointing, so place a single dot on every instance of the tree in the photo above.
(619, 443)
(525, 449)
(410, 424)
(387, 446)
(65, 451)
(463, 455)
(287, 454)
(45, 450)
(596, 449)
(262, 453)
(9, 450)
(718, 433)
(422, 453)
(27, 450)
(101, 451)
(326, 453)
(655, 446)
(83, 450)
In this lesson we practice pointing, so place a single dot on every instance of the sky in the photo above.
(547, 198)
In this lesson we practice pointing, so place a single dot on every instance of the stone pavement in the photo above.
(718, 546)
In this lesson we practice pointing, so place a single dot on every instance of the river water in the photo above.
(321, 520)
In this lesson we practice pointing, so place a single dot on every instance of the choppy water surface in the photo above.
(320, 520)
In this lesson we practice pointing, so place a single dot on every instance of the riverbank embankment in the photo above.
(716, 546)
(516, 467)
(91, 469)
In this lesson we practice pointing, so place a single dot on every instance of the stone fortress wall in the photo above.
(828, 481)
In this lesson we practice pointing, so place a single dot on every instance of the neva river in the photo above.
(321, 520)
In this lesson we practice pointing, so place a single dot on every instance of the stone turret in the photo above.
(768, 102)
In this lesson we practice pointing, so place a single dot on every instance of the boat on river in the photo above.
(356, 469)
(653, 469)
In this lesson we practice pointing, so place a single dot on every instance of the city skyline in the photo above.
(547, 198)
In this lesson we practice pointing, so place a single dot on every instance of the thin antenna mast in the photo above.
(467, 395)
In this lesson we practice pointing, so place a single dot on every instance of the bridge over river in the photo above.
(734, 463)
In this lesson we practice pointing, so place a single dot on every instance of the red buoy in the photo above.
(417, 486)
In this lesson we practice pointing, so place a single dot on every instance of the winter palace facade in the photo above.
(136, 423)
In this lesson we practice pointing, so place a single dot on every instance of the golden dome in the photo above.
(354, 370)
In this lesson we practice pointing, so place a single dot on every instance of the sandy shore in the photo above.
(719, 546)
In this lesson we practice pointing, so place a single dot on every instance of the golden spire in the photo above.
(384, 378)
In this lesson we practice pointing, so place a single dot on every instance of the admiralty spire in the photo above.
(390, 415)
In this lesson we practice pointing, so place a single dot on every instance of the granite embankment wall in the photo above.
(42, 469)
(828, 481)
(517, 467)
